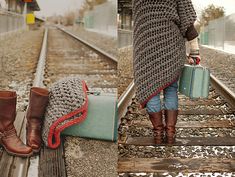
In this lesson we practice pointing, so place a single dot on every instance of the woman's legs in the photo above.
(155, 114)
(170, 93)
(171, 110)
(170, 101)
(170, 105)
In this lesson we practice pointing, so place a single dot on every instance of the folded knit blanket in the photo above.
(68, 105)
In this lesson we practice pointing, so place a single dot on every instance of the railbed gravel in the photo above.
(67, 57)
(136, 131)
(18, 61)
(221, 64)
(171, 174)
(125, 68)
(104, 42)
(229, 117)
(81, 163)
(132, 151)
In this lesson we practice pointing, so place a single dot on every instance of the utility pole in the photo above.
(25, 13)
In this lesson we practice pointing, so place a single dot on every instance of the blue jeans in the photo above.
(170, 101)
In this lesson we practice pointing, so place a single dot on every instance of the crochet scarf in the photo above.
(159, 50)
(68, 105)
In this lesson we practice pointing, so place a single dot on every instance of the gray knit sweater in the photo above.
(159, 45)
(67, 106)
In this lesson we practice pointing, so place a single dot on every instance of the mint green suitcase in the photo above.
(194, 81)
(101, 122)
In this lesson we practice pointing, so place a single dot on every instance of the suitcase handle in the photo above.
(196, 60)
(96, 93)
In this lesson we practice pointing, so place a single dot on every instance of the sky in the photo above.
(51, 7)
(59, 7)
(229, 5)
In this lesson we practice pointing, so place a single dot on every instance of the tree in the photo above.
(212, 12)
(69, 18)
(89, 5)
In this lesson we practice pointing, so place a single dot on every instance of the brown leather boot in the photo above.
(37, 105)
(171, 119)
(8, 137)
(158, 126)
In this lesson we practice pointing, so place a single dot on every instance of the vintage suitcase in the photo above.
(101, 122)
(194, 81)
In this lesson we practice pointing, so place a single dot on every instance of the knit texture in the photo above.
(67, 106)
(159, 45)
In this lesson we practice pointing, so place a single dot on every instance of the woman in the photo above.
(160, 30)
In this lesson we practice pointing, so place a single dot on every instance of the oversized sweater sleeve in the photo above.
(191, 33)
(187, 15)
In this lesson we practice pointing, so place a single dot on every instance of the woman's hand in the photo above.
(190, 61)
(194, 56)
(194, 60)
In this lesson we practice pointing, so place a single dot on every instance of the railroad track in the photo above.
(62, 55)
(205, 137)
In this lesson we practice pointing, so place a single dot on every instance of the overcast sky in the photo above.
(229, 5)
(51, 7)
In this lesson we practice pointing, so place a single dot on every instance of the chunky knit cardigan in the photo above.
(68, 105)
(160, 29)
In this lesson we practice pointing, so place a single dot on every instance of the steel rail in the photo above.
(114, 59)
(40, 71)
(223, 90)
(125, 99)
(29, 166)
(38, 82)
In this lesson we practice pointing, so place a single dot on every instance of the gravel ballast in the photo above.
(88, 158)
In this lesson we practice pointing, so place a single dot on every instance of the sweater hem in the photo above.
(143, 104)
(53, 139)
